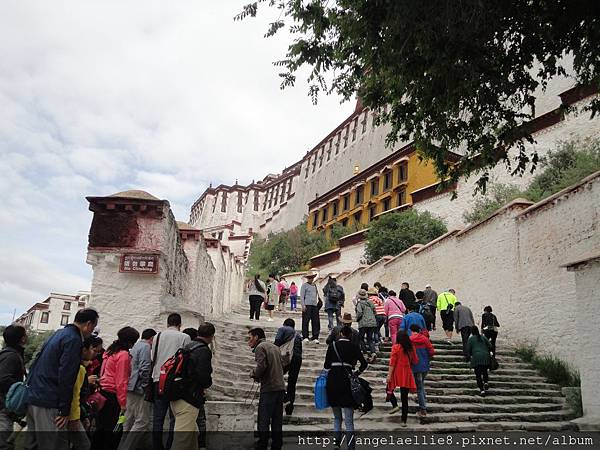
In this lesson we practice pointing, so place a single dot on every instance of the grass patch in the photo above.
(554, 369)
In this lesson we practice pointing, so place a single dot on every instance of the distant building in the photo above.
(54, 312)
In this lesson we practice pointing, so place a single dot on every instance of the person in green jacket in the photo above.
(479, 349)
(445, 305)
(365, 316)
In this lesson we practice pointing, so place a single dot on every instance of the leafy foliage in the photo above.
(455, 75)
(393, 233)
(551, 367)
(35, 340)
(568, 164)
(291, 250)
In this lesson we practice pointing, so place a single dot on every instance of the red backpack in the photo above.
(171, 380)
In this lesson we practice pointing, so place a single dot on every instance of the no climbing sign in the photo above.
(139, 263)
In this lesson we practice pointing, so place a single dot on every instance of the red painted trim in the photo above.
(325, 258)
(430, 192)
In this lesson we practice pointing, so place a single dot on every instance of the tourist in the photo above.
(463, 320)
(191, 332)
(365, 316)
(413, 317)
(197, 377)
(137, 419)
(406, 295)
(379, 315)
(284, 334)
(341, 358)
(423, 309)
(269, 373)
(334, 301)
(445, 305)
(12, 370)
(272, 297)
(394, 310)
(383, 294)
(478, 350)
(293, 296)
(425, 352)
(309, 299)
(284, 292)
(400, 374)
(164, 346)
(256, 297)
(364, 286)
(77, 431)
(51, 381)
(431, 300)
(346, 321)
(489, 326)
(114, 379)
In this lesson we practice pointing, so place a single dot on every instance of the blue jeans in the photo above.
(330, 314)
(348, 422)
(161, 406)
(420, 382)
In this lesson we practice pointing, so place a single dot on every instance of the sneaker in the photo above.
(486, 386)
(403, 424)
(269, 319)
(394, 410)
(482, 393)
(251, 318)
(305, 340)
(316, 341)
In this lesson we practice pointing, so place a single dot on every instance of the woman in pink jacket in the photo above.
(394, 310)
(114, 378)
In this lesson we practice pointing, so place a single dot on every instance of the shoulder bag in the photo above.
(358, 387)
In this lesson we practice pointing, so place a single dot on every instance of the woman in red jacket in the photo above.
(114, 378)
(400, 374)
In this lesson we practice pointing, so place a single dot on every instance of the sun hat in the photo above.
(347, 318)
(362, 294)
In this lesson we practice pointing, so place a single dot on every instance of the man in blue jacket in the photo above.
(52, 379)
(412, 317)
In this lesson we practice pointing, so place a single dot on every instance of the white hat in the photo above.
(427, 285)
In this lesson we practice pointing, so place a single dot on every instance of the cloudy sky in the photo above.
(102, 96)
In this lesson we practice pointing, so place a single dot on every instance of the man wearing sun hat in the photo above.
(335, 332)
(309, 299)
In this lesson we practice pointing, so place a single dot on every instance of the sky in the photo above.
(99, 97)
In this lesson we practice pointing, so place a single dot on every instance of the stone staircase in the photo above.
(518, 399)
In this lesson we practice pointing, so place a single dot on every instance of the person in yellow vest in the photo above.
(445, 305)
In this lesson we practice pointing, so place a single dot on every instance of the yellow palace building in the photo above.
(392, 184)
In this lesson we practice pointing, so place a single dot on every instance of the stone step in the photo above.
(378, 418)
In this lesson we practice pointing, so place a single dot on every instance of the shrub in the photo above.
(35, 340)
(393, 233)
(554, 369)
(498, 196)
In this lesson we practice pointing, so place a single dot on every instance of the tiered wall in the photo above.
(511, 261)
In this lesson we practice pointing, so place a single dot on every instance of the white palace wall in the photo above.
(510, 261)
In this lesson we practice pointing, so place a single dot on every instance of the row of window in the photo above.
(274, 195)
(340, 140)
(323, 216)
(64, 320)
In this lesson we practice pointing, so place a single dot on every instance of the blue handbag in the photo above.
(321, 401)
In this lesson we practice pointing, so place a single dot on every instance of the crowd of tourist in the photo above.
(78, 395)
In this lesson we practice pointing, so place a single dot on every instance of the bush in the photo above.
(35, 340)
(393, 233)
(554, 369)
(564, 166)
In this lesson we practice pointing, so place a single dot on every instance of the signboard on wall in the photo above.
(139, 263)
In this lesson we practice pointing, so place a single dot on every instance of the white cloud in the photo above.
(100, 97)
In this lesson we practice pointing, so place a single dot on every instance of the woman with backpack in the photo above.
(114, 379)
(478, 349)
(489, 326)
(341, 358)
(365, 316)
(394, 310)
(256, 296)
(400, 374)
(332, 298)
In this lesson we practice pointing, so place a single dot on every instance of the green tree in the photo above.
(393, 233)
(497, 196)
(454, 74)
(35, 340)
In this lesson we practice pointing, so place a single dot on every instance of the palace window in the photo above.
(345, 222)
(359, 194)
(321, 157)
(240, 200)
(401, 198)
(329, 151)
(256, 198)
(375, 187)
(357, 217)
(315, 219)
(335, 208)
(324, 217)
(387, 180)
(346, 201)
(67, 306)
(372, 212)
(346, 136)
(224, 202)
(64, 320)
(403, 173)
(386, 204)
(220, 235)
(44, 318)
(354, 127)
(337, 143)
(314, 164)
(276, 195)
(307, 168)
(364, 123)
